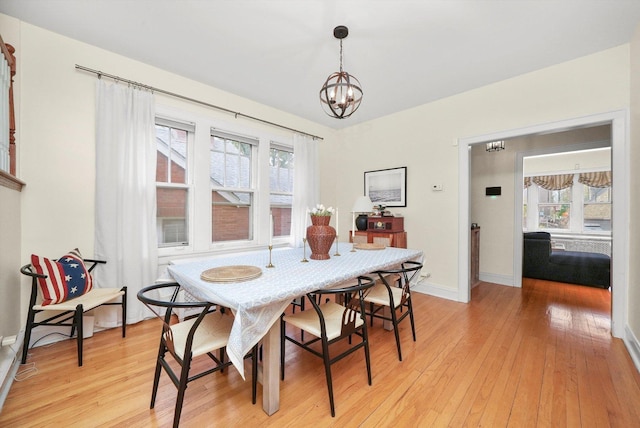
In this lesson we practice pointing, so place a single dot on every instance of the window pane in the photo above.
(231, 214)
(281, 185)
(554, 196)
(597, 209)
(230, 163)
(171, 218)
(554, 216)
(172, 155)
(231, 211)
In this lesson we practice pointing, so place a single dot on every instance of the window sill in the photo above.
(11, 182)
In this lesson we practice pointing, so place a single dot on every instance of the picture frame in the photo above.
(387, 187)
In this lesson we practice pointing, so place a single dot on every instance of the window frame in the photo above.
(188, 127)
(200, 229)
(276, 146)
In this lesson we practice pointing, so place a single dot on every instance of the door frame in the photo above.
(618, 120)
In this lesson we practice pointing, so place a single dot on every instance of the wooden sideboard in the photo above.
(384, 230)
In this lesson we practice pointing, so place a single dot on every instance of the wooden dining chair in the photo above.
(195, 336)
(329, 322)
(390, 298)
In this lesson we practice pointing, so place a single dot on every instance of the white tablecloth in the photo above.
(259, 302)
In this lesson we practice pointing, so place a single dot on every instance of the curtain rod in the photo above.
(193, 100)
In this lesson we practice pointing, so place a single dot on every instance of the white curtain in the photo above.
(125, 232)
(306, 185)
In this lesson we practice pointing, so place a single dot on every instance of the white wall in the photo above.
(424, 139)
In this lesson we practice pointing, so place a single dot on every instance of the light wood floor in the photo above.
(540, 356)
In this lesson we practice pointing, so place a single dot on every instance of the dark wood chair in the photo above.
(69, 313)
(328, 323)
(196, 336)
(391, 294)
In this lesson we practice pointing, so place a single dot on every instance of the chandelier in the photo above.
(341, 93)
(495, 146)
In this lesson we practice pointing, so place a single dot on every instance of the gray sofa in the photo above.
(539, 261)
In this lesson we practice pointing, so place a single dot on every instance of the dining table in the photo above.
(258, 302)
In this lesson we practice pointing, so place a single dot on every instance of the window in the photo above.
(217, 182)
(232, 189)
(554, 209)
(597, 209)
(281, 164)
(172, 189)
(577, 209)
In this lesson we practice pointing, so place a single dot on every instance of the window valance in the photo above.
(553, 182)
(596, 179)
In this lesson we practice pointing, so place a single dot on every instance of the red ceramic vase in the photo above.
(320, 237)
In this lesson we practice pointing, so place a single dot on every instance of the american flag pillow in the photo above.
(66, 278)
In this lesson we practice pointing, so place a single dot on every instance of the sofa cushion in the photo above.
(577, 258)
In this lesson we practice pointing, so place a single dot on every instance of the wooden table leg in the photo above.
(271, 369)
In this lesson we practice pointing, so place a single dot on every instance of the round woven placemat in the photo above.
(366, 246)
(235, 273)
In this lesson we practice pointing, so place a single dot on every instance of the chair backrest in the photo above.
(353, 299)
(169, 305)
(403, 276)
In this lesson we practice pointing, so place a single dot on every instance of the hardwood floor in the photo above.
(541, 356)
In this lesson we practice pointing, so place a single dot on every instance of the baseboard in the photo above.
(633, 346)
(436, 290)
(9, 364)
(496, 278)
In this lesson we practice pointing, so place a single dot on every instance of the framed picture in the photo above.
(387, 187)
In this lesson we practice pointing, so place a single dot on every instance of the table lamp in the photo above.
(363, 205)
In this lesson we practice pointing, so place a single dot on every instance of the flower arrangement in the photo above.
(320, 210)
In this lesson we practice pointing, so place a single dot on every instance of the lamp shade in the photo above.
(362, 205)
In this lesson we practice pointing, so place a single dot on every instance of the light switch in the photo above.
(437, 187)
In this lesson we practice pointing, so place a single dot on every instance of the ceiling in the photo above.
(279, 52)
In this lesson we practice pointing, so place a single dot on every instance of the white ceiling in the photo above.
(279, 52)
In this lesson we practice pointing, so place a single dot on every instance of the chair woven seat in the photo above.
(93, 299)
(212, 333)
(309, 321)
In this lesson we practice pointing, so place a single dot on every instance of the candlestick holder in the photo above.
(337, 252)
(304, 251)
(270, 265)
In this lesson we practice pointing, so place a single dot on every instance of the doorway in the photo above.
(619, 144)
